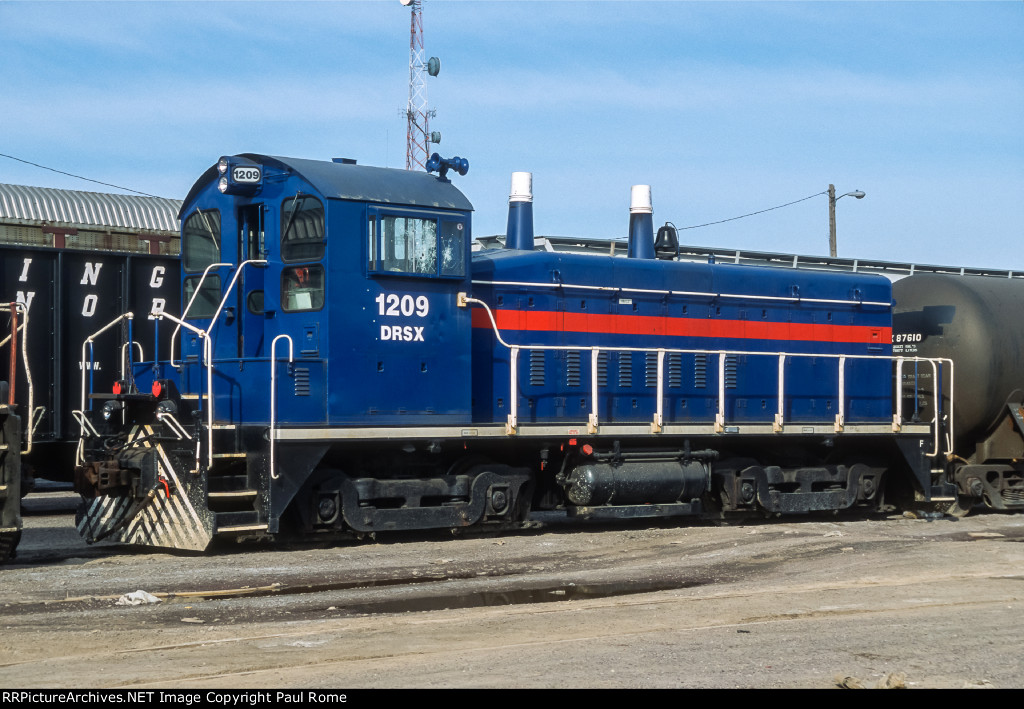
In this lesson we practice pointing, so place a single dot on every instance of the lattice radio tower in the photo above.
(418, 136)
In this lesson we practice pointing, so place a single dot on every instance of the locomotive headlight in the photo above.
(239, 176)
(167, 407)
(110, 408)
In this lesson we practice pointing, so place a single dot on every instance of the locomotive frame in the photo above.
(425, 387)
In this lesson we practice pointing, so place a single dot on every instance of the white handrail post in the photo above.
(208, 356)
(936, 402)
(510, 427)
(720, 415)
(273, 395)
(952, 419)
(659, 411)
(841, 416)
(897, 418)
(592, 419)
(780, 415)
(184, 313)
(88, 341)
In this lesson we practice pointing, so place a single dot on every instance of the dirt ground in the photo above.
(814, 602)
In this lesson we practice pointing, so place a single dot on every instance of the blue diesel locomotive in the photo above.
(345, 363)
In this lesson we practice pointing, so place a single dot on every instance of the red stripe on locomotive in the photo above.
(610, 324)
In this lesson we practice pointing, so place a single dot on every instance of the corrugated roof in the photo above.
(87, 210)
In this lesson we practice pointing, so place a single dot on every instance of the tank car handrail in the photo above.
(936, 394)
(14, 308)
(195, 294)
(592, 424)
(703, 294)
(273, 395)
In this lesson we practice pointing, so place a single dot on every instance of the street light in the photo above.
(832, 199)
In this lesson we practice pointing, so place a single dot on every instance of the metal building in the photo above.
(92, 221)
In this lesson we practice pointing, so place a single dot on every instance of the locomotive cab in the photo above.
(315, 294)
(335, 263)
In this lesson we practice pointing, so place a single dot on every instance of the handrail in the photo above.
(23, 327)
(208, 361)
(142, 356)
(173, 424)
(89, 341)
(83, 421)
(195, 294)
(231, 287)
(698, 294)
(273, 395)
(207, 343)
(719, 424)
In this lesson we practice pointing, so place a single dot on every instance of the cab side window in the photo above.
(302, 239)
(409, 245)
(200, 236)
(424, 246)
(302, 288)
(302, 228)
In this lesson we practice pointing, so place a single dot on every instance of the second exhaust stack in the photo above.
(519, 232)
(641, 223)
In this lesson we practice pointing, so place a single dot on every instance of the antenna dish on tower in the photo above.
(418, 135)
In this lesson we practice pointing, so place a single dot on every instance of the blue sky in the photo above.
(724, 108)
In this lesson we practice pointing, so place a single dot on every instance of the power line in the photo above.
(742, 216)
(107, 184)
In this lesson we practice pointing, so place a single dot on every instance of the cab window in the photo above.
(302, 228)
(200, 237)
(302, 288)
(427, 246)
(208, 298)
(201, 240)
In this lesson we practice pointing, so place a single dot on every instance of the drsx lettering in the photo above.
(401, 333)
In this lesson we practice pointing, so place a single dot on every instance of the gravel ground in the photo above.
(815, 602)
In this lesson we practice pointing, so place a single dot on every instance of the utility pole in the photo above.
(832, 199)
(832, 221)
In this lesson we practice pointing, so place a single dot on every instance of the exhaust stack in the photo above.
(519, 233)
(641, 223)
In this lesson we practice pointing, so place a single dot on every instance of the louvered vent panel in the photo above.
(625, 369)
(700, 371)
(572, 368)
(302, 381)
(651, 369)
(731, 365)
(675, 369)
(537, 368)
